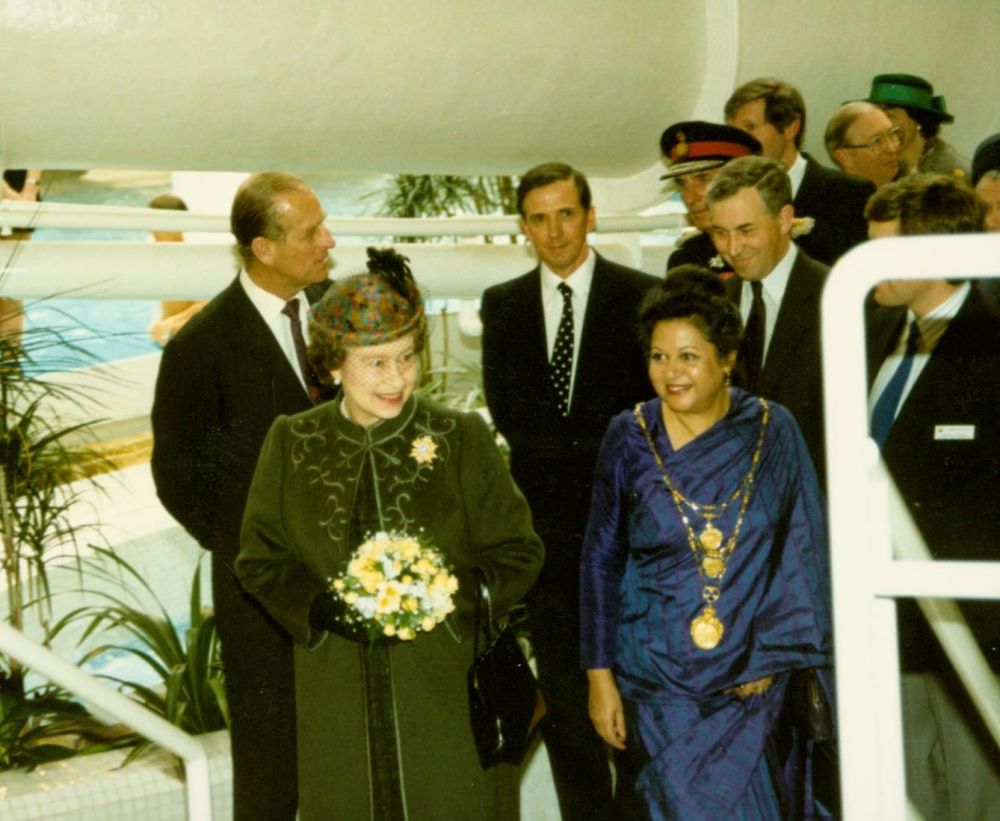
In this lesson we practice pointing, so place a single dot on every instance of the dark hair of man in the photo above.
(696, 295)
(928, 204)
(783, 104)
(765, 174)
(254, 213)
(548, 173)
(168, 202)
(843, 118)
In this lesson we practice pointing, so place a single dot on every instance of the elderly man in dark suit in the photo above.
(223, 380)
(934, 359)
(774, 112)
(777, 287)
(561, 356)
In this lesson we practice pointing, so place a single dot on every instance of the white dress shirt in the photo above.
(552, 305)
(270, 307)
(796, 173)
(772, 292)
(932, 327)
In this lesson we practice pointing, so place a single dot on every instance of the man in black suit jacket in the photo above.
(223, 380)
(553, 449)
(940, 438)
(774, 112)
(751, 214)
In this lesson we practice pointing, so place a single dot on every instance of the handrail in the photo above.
(976, 580)
(866, 577)
(18, 214)
(42, 660)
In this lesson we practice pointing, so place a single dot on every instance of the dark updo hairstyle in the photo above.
(696, 295)
(380, 304)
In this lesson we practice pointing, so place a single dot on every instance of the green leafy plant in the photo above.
(186, 663)
(39, 456)
(447, 195)
(44, 724)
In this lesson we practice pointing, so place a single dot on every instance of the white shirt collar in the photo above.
(797, 172)
(268, 305)
(579, 280)
(776, 282)
(947, 309)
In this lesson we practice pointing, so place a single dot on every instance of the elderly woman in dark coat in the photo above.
(383, 727)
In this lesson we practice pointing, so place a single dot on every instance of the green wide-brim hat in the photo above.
(908, 91)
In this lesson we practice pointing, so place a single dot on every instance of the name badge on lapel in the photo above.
(944, 432)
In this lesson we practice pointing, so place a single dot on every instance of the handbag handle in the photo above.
(482, 597)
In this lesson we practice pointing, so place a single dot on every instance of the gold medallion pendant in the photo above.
(712, 566)
(710, 538)
(706, 629)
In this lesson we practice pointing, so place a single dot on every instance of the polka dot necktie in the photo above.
(561, 366)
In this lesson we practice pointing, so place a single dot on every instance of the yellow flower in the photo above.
(370, 580)
(389, 630)
(407, 634)
(427, 623)
(338, 584)
(410, 604)
(424, 450)
(388, 598)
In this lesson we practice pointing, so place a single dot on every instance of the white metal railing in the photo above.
(200, 269)
(866, 577)
(95, 692)
(17, 214)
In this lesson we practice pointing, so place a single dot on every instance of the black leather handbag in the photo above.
(810, 706)
(504, 703)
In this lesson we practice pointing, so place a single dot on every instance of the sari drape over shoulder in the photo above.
(640, 590)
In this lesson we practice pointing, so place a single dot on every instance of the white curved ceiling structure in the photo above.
(464, 87)
(449, 85)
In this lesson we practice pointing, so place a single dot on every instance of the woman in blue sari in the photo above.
(705, 571)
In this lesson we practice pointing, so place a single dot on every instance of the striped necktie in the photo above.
(291, 310)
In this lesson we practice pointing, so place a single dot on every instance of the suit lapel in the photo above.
(530, 320)
(927, 397)
(795, 315)
(259, 346)
(593, 317)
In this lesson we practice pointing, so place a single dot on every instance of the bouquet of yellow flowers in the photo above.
(396, 586)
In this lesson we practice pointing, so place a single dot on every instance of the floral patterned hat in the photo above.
(376, 306)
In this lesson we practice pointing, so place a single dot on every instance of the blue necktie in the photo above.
(884, 412)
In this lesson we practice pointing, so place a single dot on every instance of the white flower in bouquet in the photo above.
(395, 585)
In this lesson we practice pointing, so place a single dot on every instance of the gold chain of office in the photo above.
(710, 550)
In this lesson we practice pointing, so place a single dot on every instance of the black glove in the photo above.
(329, 612)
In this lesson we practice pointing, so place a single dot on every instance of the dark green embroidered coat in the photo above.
(301, 519)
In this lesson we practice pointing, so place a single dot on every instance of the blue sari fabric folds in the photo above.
(640, 589)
